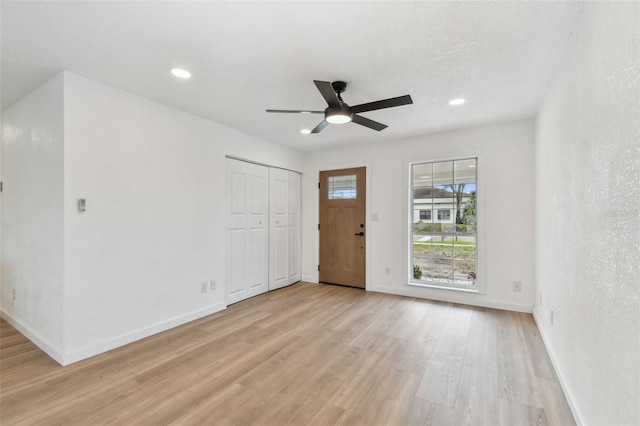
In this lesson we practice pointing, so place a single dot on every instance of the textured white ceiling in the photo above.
(248, 56)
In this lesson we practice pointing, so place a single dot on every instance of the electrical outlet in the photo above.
(517, 286)
(387, 270)
(14, 294)
(212, 284)
(203, 287)
(551, 316)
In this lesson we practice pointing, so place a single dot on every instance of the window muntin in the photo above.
(342, 187)
(443, 248)
(425, 214)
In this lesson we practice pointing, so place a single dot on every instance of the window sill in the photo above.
(445, 287)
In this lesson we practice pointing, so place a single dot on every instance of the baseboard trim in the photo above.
(88, 351)
(35, 338)
(556, 367)
(310, 279)
(452, 298)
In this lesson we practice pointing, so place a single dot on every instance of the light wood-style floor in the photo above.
(305, 354)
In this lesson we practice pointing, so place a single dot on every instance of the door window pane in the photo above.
(342, 187)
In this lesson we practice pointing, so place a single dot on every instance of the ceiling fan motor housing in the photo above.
(339, 86)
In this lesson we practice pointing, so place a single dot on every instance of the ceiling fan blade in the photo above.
(386, 103)
(358, 119)
(327, 92)
(294, 111)
(320, 126)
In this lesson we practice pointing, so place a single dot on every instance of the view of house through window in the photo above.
(443, 242)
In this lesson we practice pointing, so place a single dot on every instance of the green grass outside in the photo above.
(463, 249)
(446, 243)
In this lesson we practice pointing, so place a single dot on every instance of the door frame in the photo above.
(316, 215)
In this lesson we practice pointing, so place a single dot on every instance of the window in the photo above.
(444, 214)
(342, 187)
(443, 252)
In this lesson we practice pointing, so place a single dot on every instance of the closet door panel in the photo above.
(279, 255)
(279, 229)
(236, 231)
(237, 289)
(258, 230)
(295, 249)
(247, 254)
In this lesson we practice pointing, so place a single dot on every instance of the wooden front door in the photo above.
(342, 227)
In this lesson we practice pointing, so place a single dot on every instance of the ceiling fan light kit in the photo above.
(337, 116)
(338, 112)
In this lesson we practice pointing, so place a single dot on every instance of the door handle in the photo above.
(361, 234)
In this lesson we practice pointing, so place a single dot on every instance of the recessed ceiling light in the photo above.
(305, 131)
(180, 73)
(457, 101)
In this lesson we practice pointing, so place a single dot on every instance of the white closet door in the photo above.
(247, 233)
(295, 249)
(257, 257)
(279, 229)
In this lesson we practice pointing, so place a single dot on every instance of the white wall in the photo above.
(154, 181)
(587, 251)
(506, 185)
(32, 216)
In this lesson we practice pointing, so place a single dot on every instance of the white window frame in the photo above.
(480, 287)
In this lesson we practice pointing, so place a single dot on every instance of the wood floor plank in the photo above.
(439, 384)
(521, 388)
(304, 354)
(477, 398)
(457, 323)
(440, 381)
(327, 415)
(513, 356)
(540, 360)
(552, 399)
(508, 323)
(517, 413)
(481, 350)
(426, 413)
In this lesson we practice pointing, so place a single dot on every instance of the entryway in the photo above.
(342, 227)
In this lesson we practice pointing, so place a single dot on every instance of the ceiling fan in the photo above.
(339, 112)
